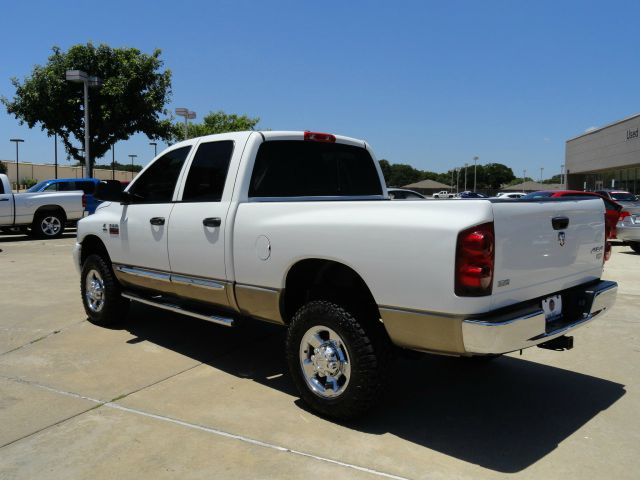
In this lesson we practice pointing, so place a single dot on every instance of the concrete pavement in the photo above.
(166, 396)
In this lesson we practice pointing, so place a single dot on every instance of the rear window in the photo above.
(623, 196)
(285, 168)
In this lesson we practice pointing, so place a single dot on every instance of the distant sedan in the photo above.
(404, 194)
(472, 195)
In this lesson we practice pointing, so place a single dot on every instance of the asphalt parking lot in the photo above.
(165, 396)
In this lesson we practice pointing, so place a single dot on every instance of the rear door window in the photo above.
(289, 168)
(208, 172)
(87, 187)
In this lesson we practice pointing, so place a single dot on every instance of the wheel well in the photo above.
(315, 279)
(50, 209)
(93, 245)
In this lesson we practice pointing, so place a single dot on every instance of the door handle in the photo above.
(212, 222)
(157, 221)
(559, 223)
(4, 199)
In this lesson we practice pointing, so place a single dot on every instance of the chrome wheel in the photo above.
(50, 226)
(94, 291)
(324, 361)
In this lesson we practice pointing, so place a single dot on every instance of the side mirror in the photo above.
(111, 191)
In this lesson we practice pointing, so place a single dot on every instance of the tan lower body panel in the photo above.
(259, 302)
(423, 331)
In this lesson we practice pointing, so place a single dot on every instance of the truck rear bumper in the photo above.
(493, 336)
(502, 331)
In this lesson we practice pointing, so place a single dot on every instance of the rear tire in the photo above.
(635, 246)
(48, 225)
(336, 364)
(101, 292)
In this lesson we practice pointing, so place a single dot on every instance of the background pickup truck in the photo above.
(296, 228)
(46, 213)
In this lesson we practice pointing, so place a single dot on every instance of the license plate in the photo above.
(552, 307)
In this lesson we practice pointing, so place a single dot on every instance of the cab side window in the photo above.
(52, 187)
(157, 183)
(208, 172)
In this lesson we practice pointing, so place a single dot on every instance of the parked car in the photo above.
(87, 185)
(404, 194)
(510, 195)
(297, 229)
(444, 194)
(628, 229)
(44, 214)
(469, 194)
(628, 201)
(612, 208)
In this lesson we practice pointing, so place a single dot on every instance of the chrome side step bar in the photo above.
(227, 322)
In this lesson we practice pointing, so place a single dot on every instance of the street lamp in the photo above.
(465, 176)
(132, 157)
(541, 170)
(188, 115)
(17, 141)
(78, 76)
(475, 159)
(562, 174)
(155, 148)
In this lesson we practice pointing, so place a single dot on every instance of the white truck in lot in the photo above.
(45, 214)
(296, 228)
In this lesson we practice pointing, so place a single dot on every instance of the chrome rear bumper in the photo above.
(486, 335)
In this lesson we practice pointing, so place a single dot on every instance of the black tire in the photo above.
(48, 224)
(368, 353)
(635, 246)
(114, 307)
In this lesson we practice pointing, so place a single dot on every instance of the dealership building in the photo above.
(605, 157)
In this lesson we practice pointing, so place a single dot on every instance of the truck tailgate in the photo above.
(534, 257)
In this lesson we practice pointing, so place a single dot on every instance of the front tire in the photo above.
(337, 366)
(635, 246)
(48, 225)
(101, 293)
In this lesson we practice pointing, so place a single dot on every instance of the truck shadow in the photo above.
(504, 415)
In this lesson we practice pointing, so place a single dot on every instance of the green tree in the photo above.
(215, 122)
(3, 168)
(131, 99)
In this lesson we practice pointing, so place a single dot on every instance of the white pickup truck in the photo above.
(45, 214)
(296, 228)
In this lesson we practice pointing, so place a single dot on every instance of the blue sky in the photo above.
(428, 83)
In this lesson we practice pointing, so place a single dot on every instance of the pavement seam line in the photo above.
(44, 337)
(194, 426)
(250, 440)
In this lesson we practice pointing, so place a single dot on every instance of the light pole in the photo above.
(113, 161)
(457, 178)
(465, 176)
(78, 76)
(541, 170)
(188, 115)
(562, 174)
(55, 154)
(132, 157)
(155, 148)
(475, 160)
(17, 141)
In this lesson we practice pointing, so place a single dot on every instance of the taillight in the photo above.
(622, 215)
(319, 137)
(475, 261)
(84, 201)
